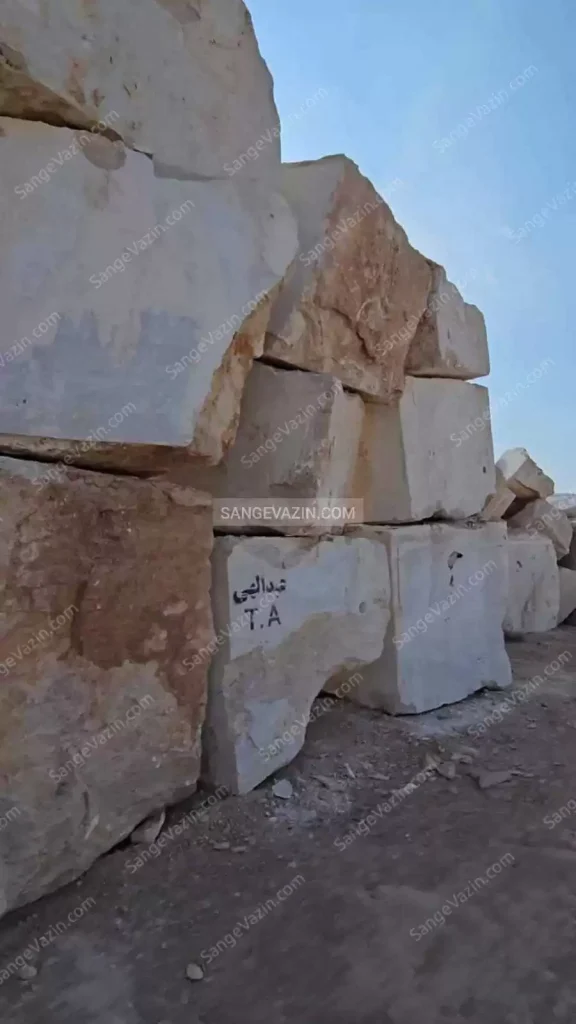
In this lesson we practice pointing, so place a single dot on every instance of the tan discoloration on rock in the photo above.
(353, 301)
(88, 567)
(451, 337)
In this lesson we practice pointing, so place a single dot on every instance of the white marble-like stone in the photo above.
(445, 639)
(451, 338)
(540, 518)
(498, 503)
(565, 502)
(419, 458)
(182, 80)
(534, 588)
(290, 613)
(132, 305)
(523, 476)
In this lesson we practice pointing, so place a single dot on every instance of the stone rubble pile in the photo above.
(186, 320)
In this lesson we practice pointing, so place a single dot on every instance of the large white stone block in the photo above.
(534, 587)
(298, 438)
(418, 458)
(99, 612)
(354, 298)
(289, 613)
(569, 560)
(541, 518)
(523, 476)
(182, 80)
(445, 639)
(451, 338)
(132, 305)
(498, 503)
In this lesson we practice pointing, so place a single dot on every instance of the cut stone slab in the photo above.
(298, 438)
(132, 305)
(534, 587)
(569, 560)
(353, 299)
(101, 717)
(289, 614)
(181, 80)
(498, 503)
(419, 458)
(445, 638)
(451, 339)
(541, 518)
(567, 594)
(523, 476)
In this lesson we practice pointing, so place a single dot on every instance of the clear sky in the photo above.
(471, 103)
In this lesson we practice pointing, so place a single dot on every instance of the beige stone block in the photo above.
(449, 589)
(451, 339)
(354, 297)
(534, 588)
(523, 476)
(132, 304)
(104, 601)
(418, 459)
(181, 80)
(541, 518)
(289, 614)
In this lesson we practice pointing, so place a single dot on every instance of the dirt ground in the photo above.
(349, 902)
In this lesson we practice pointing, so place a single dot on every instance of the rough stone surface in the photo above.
(182, 80)
(567, 594)
(445, 639)
(105, 593)
(417, 457)
(451, 338)
(353, 299)
(298, 438)
(498, 503)
(523, 476)
(565, 502)
(541, 518)
(325, 610)
(132, 305)
(534, 589)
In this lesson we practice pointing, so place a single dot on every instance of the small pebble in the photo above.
(221, 846)
(283, 789)
(239, 849)
(194, 972)
(27, 972)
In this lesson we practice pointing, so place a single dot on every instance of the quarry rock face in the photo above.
(289, 613)
(445, 640)
(353, 299)
(101, 720)
(181, 80)
(297, 438)
(542, 518)
(419, 459)
(451, 338)
(132, 304)
(534, 588)
(523, 476)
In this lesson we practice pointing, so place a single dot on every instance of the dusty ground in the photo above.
(347, 942)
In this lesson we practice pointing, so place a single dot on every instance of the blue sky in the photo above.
(495, 203)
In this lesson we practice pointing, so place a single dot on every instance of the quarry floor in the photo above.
(315, 913)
